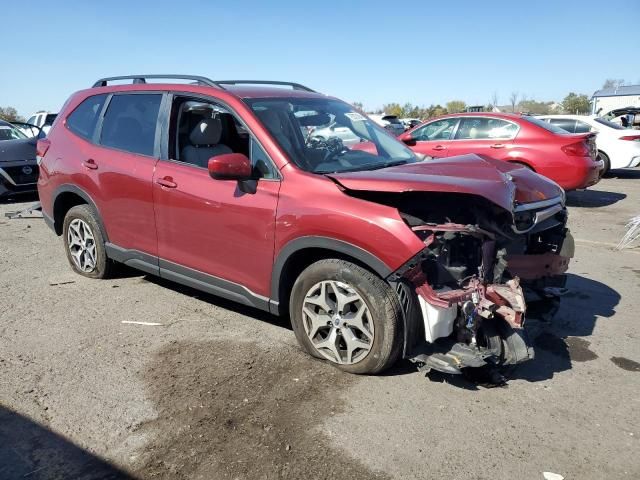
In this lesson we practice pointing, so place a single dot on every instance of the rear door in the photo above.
(122, 166)
(484, 136)
(434, 138)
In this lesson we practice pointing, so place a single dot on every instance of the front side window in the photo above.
(82, 121)
(323, 135)
(483, 128)
(439, 130)
(200, 130)
(32, 120)
(130, 123)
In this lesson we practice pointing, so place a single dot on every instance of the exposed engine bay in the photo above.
(481, 272)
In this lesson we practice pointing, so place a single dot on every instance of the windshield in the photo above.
(9, 132)
(547, 126)
(609, 124)
(323, 135)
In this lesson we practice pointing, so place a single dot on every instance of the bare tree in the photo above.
(613, 83)
(513, 100)
(494, 99)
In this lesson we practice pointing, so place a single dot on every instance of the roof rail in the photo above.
(295, 86)
(139, 79)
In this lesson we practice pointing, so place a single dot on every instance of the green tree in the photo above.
(576, 103)
(537, 108)
(456, 106)
(10, 114)
(392, 109)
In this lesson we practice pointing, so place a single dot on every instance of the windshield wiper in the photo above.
(361, 168)
(393, 163)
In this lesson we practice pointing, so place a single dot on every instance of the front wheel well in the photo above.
(63, 203)
(300, 260)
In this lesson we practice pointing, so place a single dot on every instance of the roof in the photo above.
(237, 88)
(618, 91)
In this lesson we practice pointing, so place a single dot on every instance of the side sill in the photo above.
(189, 277)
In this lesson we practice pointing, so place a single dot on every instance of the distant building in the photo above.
(607, 99)
(475, 108)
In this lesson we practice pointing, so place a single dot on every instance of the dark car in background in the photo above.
(18, 165)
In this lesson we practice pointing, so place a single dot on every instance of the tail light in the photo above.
(577, 149)
(41, 149)
(632, 138)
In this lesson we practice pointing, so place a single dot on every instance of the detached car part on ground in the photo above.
(373, 253)
(18, 166)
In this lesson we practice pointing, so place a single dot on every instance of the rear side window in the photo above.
(130, 123)
(484, 128)
(84, 118)
(582, 127)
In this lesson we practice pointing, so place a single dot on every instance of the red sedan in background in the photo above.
(568, 159)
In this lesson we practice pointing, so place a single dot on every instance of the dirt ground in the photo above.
(222, 391)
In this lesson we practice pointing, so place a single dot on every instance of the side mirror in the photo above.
(230, 166)
(407, 139)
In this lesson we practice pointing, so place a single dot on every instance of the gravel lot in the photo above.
(222, 391)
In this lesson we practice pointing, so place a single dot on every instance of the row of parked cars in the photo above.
(430, 245)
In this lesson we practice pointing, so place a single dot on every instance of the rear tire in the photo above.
(348, 316)
(607, 163)
(84, 243)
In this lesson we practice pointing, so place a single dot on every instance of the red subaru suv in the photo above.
(568, 159)
(373, 253)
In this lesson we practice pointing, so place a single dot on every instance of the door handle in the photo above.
(439, 147)
(167, 182)
(497, 145)
(90, 164)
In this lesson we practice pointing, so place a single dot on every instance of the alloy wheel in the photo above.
(338, 322)
(82, 245)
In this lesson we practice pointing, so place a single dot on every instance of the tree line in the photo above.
(573, 103)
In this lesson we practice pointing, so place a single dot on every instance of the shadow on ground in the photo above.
(30, 450)
(625, 173)
(564, 340)
(593, 198)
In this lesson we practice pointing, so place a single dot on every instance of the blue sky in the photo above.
(369, 51)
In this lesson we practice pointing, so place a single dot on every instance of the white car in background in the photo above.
(389, 122)
(43, 120)
(618, 147)
(335, 130)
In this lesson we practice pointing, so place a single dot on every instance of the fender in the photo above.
(64, 188)
(325, 243)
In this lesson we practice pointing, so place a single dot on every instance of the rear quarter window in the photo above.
(82, 121)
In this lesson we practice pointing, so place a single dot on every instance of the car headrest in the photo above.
(207, 132)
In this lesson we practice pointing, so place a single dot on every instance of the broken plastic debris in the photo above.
(149, 324)
(552, 476)
(633, 233)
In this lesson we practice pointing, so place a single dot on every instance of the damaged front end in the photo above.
(481, 272)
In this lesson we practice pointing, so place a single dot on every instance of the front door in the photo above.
(217, 232)
(434, 138)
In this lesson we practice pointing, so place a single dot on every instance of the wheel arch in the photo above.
(298, 254)
(67, 197)
(523, 163)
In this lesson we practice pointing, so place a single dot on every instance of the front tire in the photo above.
(348, 316)
(84, 243)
